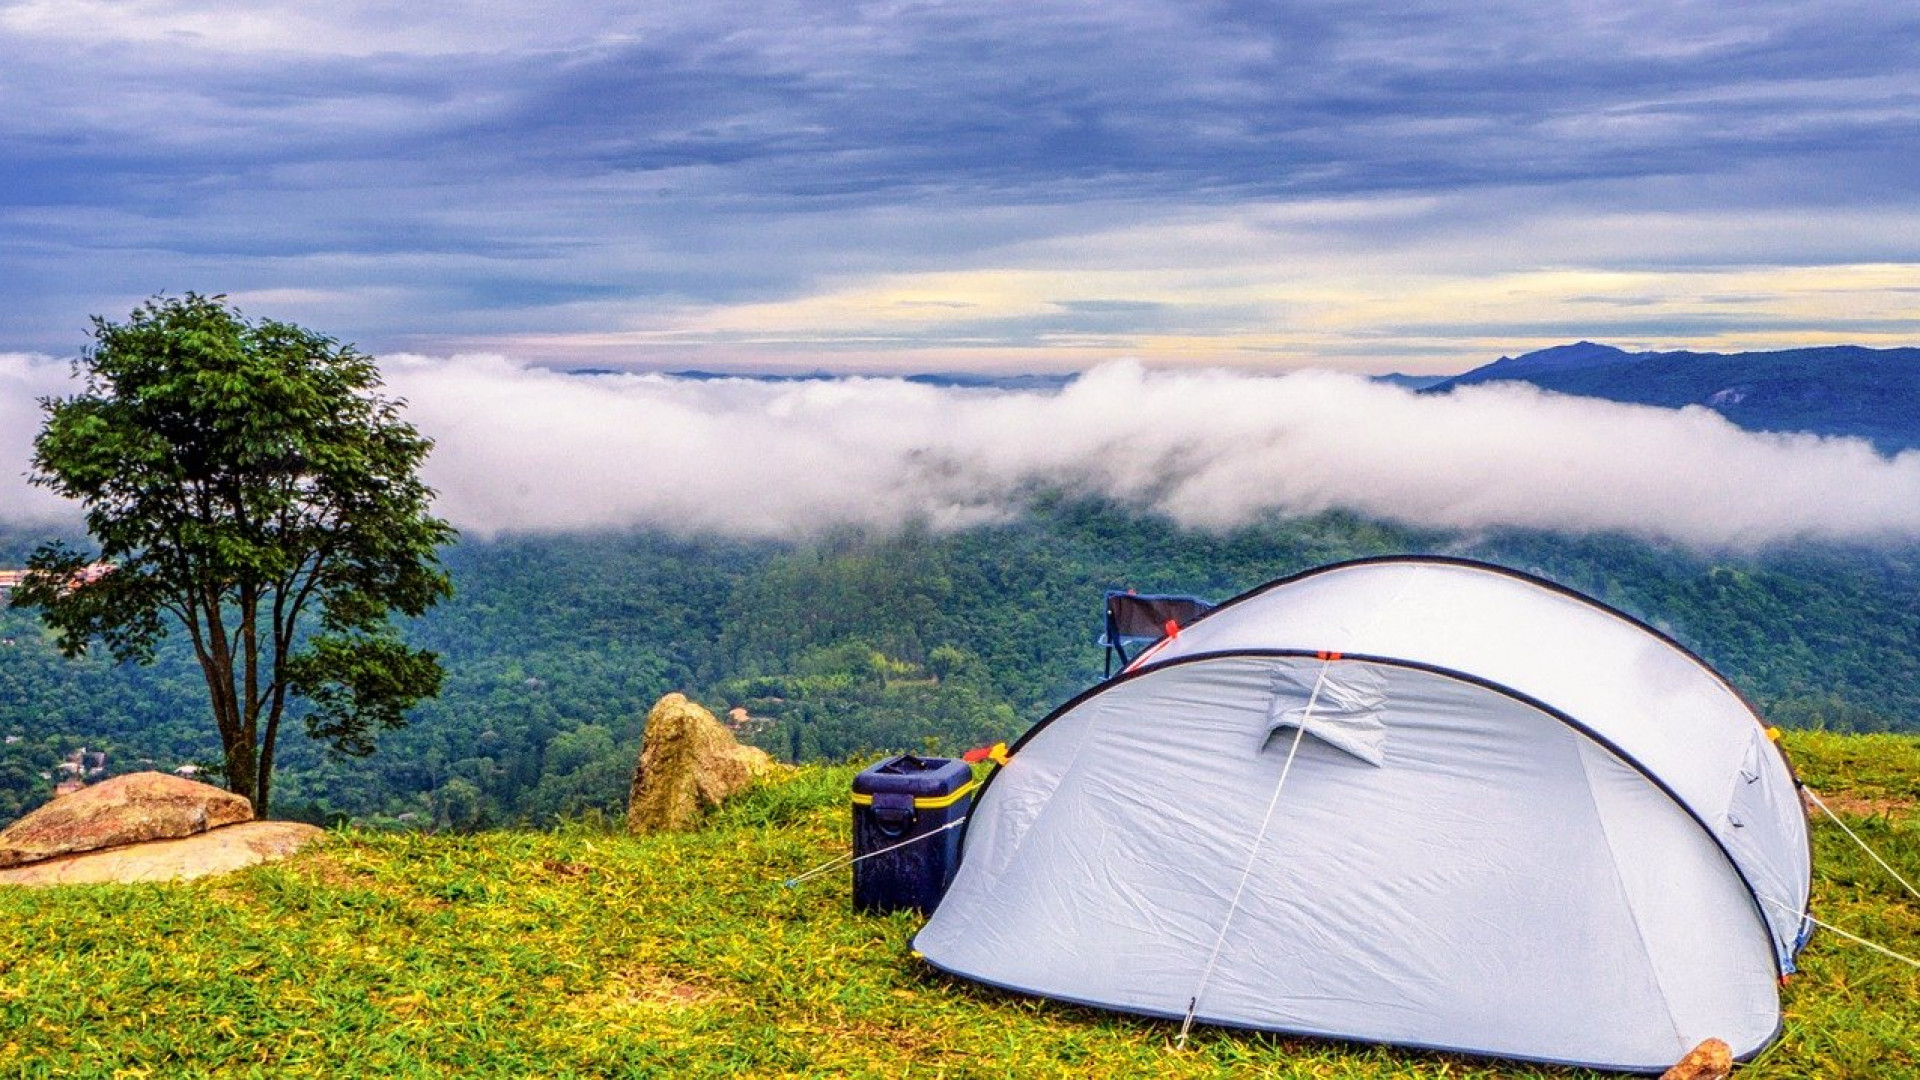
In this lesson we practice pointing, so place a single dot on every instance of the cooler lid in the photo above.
(910, 774)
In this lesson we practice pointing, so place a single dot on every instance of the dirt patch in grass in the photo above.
(1841, 802)
(323, 869)
(644, 990)
(556, 868)
(678, 993)
(914, 1042)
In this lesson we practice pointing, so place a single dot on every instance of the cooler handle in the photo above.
(894, 812)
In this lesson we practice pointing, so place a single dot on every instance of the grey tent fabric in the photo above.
(1634, 689)
(1452, 862)
(1341, 708)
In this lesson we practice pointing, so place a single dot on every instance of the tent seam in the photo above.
(1073, 763)
(1626, 896)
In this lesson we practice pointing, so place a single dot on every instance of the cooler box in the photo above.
(903, 799)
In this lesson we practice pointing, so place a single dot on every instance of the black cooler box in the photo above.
(904, 799)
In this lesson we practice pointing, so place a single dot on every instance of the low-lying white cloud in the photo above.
(524, 449)
(25, 378)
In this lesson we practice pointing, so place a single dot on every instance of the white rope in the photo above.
(849, 860)
(1908, 885)
(1193, 1003)
(1855, 938)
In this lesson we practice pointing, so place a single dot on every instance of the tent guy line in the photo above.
(850, 859)
(1855, 938)
(1253, 855)
(1851, 835)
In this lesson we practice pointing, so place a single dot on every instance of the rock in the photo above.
(216, 852)
(1711, 1060)
(689, 763)
(124, 810)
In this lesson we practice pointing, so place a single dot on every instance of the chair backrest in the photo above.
(1133, 619)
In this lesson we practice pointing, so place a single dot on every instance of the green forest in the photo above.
(851, 644)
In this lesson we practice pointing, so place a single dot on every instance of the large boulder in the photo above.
(216, 852)
(125, 810)
(689, 763)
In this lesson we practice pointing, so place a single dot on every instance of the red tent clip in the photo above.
(997, 753)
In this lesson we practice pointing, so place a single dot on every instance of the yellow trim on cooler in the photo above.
(928, 802)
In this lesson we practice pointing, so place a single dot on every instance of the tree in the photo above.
(247, 482)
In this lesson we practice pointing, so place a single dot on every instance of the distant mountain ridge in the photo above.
(1410, 382)
(1829, 390)
(953, 379)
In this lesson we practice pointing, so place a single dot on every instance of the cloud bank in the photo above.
(523, 449)
(25, 379)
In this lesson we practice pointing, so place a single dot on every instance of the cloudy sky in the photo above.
(1027, 186)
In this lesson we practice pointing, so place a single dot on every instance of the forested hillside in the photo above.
(555, 647)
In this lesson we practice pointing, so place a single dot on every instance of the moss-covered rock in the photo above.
(689, 763)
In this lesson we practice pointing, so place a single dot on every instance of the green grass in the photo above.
(582, 952)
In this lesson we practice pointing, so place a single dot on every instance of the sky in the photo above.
(989, 186)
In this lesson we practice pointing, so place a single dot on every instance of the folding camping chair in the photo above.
(1133, 619)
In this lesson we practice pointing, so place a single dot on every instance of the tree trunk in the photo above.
(235, 744)
(264, 784)
(243, 770)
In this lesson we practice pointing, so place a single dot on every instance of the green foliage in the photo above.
(583, 952)
(356, 681)
(25, 783)
(916, 641)
(238, 477)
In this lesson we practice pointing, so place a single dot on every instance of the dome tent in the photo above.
(1524, 825)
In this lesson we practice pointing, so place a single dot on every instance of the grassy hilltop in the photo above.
(582, 952)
